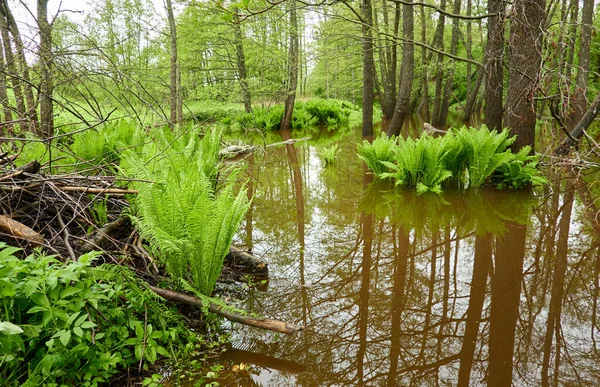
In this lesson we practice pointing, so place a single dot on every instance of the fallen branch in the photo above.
(579, 129)
(19, 230)
(101, 236)
(251, 264)
(264, 323)
(114, 191)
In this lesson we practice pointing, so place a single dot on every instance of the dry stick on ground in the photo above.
(65, 232)
(264, 323)
(579, 129)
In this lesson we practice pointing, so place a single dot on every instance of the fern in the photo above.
(486, 151)
(186, 222)
(378, 154)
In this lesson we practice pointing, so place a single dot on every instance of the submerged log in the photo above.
(252, 265)
(260, 322)
(19, 230)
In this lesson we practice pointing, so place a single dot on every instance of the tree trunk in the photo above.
(368, 68)
(525, 46)
(7, 126)
(587, 16)
(174, 95)
(424, 78)
(443, 117)
(25, 79)
(292, 82)
(439, 78)
(402, 108)
(494, 73)
(241, 64)
(46, 128)
(11, 70)
(472, 97)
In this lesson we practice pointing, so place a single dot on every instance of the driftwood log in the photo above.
(259, 322)
(251, 264)
(579, 130)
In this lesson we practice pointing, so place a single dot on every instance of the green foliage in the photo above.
(419, 164)
(378, 153)
(486, 151)
(330, 154)
(188, 223)
(329, 112)
(71, 324)
(461, 157)
(522, 171)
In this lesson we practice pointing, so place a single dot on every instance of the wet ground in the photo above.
(481, 287)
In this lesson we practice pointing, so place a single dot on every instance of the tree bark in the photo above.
(368, 68)
(402, 108)
(292, 82)
(241, 64)
(494, 73)
(439, 78)
(11, 70)
(583, 70)
(472, 97)
(443, 117)
(25, 79)
(174, 94)
(5, 127)
(525, 44)
(46, 128)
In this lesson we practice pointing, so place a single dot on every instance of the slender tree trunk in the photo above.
(583, 70)
(424, 79)
(46, 60)
(12, 71)
(494, 73)
(174, 95)
(574, 6)
(443, 117)
(241, 64)
(25, 78)
(402, 108)
(7, 127)
(293, 55)
(472, 96)
(368, 68)
(439, 78)
(525, 62)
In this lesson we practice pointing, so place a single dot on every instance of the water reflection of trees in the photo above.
(481, 287)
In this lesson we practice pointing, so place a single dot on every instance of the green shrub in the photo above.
(71, 324)
(522, 171)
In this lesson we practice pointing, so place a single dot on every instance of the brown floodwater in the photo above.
(481, 287)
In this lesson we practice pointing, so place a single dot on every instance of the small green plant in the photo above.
(382, 150)
(521, 172)
(330, 154)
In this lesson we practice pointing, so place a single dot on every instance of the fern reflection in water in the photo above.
(186, 220)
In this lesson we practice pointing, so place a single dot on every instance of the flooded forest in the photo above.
(299, 193)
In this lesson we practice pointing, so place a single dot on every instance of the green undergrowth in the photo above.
(77, 325)
(464, 157)
(329, 154)
(330, 113)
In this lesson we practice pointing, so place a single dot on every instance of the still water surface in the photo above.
(482, 287)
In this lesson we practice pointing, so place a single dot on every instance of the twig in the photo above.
(65, 232)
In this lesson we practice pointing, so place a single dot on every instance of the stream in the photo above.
(480, 287)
